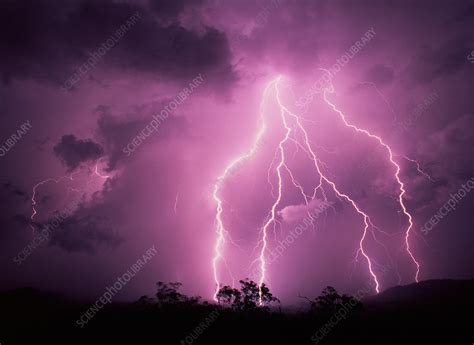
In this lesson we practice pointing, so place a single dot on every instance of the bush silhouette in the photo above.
(168, 294)
(330, 302)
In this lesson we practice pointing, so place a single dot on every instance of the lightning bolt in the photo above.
(419, 169)
(34, 192)
(382, 96)
(286, 115)
(392, 110)
(96, 171)
(175, 207)
(221, 231)
(271, 218)
(400, 183)
(324, 178)
(36, 186)
(293, 125)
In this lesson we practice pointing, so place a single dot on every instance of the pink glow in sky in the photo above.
(225, 181)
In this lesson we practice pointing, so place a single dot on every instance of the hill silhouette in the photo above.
(437, 291)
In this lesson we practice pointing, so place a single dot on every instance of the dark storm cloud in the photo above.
(73, 151)
(380, 74)
(454, 144)
(118, 131)
(435, 62)
(85, 231)
(170, 9)
(47, 40)
(464, 15)
(83, 225)
(15, 190)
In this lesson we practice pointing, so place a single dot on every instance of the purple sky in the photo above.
(161, 194)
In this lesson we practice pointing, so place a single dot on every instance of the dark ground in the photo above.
(431, 312)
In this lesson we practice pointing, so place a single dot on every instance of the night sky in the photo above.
(130, 111)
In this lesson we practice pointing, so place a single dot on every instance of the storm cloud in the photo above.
(73, 151)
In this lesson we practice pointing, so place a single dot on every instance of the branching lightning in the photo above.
(34, 192)
(396, 174)
(271, 218)
(293, 125)
(419, 169)
(220, 228)
(323, 177)
(36, 186)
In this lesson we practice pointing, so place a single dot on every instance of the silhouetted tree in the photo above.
(330, 301)
(250, 294)
(230, 297)
(267, 296)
